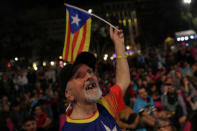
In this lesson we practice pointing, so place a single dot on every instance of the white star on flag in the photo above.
(108, 129)
(75, 20)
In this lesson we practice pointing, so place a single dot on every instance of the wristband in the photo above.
(121, 56)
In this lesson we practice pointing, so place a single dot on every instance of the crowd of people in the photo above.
(161, 96)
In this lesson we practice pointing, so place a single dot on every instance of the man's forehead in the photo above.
(82, 67)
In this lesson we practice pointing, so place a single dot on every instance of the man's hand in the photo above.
(117, 35)
(118, 39)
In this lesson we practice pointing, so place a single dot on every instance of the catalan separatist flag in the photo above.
(78, 28)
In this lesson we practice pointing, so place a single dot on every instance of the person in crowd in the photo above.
(17, 115)
(50, 75)
(187, 70)
(82, 90)
(155, 94)
(22, 81)
(29, 124)
(144, 106)
(42, 119)
(174, 105)
(164, 125)
(6, 122)
(177, 80)
(189, 93)
(130, 95)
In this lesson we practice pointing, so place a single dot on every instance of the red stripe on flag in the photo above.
(68, 41)
(83, 39)
(74, 44)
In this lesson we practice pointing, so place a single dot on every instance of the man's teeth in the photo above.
(91, 86)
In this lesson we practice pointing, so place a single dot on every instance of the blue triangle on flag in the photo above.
(77, 18)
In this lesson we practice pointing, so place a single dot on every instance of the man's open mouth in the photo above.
(91, 86)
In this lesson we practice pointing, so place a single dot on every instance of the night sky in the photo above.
(19, 22)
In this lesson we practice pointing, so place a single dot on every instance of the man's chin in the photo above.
(94, 97)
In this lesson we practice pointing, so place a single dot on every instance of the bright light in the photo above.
(178, 39)
(111, 57)
(129, 21)
(65, 63)
(44, 63)
(106, 55)
(90, 11)
(35, 66)
(127, 47)
(186, 44)
(186, 38)
(172, 47)
(182, 38)
(191, 37)
(60, 57)
(187, 1)
(16, 58)
(52, 63)
(124, 22)
(114, 55)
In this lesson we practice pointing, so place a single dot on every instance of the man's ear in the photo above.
(68, 95)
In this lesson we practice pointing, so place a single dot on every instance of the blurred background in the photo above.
(35, 30)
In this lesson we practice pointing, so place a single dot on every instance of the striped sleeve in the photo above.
(113, 101)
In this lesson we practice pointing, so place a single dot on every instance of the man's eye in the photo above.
(90, 71)
(79, 75)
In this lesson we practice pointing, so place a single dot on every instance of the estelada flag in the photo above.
(78, 28)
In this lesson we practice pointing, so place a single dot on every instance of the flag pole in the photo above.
(92, 15)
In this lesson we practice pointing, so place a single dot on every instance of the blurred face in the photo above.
(38, 111)
(16, 108)
(6, 108)
(169, 81)
(5, 99)
(165, 127)
(30, 126)
(145, 83)
(142, 93)
(170, 88)
(185, 80)
(139, 82)
(84, 85)
(178, 74)
(153, 88)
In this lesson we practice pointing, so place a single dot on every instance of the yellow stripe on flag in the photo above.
(87, 39)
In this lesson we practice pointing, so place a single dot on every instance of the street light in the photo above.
(189, 13)
(187, 1)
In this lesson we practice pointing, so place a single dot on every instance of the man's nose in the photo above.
(88, 75)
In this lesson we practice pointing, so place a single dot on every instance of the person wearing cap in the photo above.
(90, 110)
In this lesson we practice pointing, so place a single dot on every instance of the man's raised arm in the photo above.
(122, 67)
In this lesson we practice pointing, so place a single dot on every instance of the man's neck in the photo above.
(82, 111)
